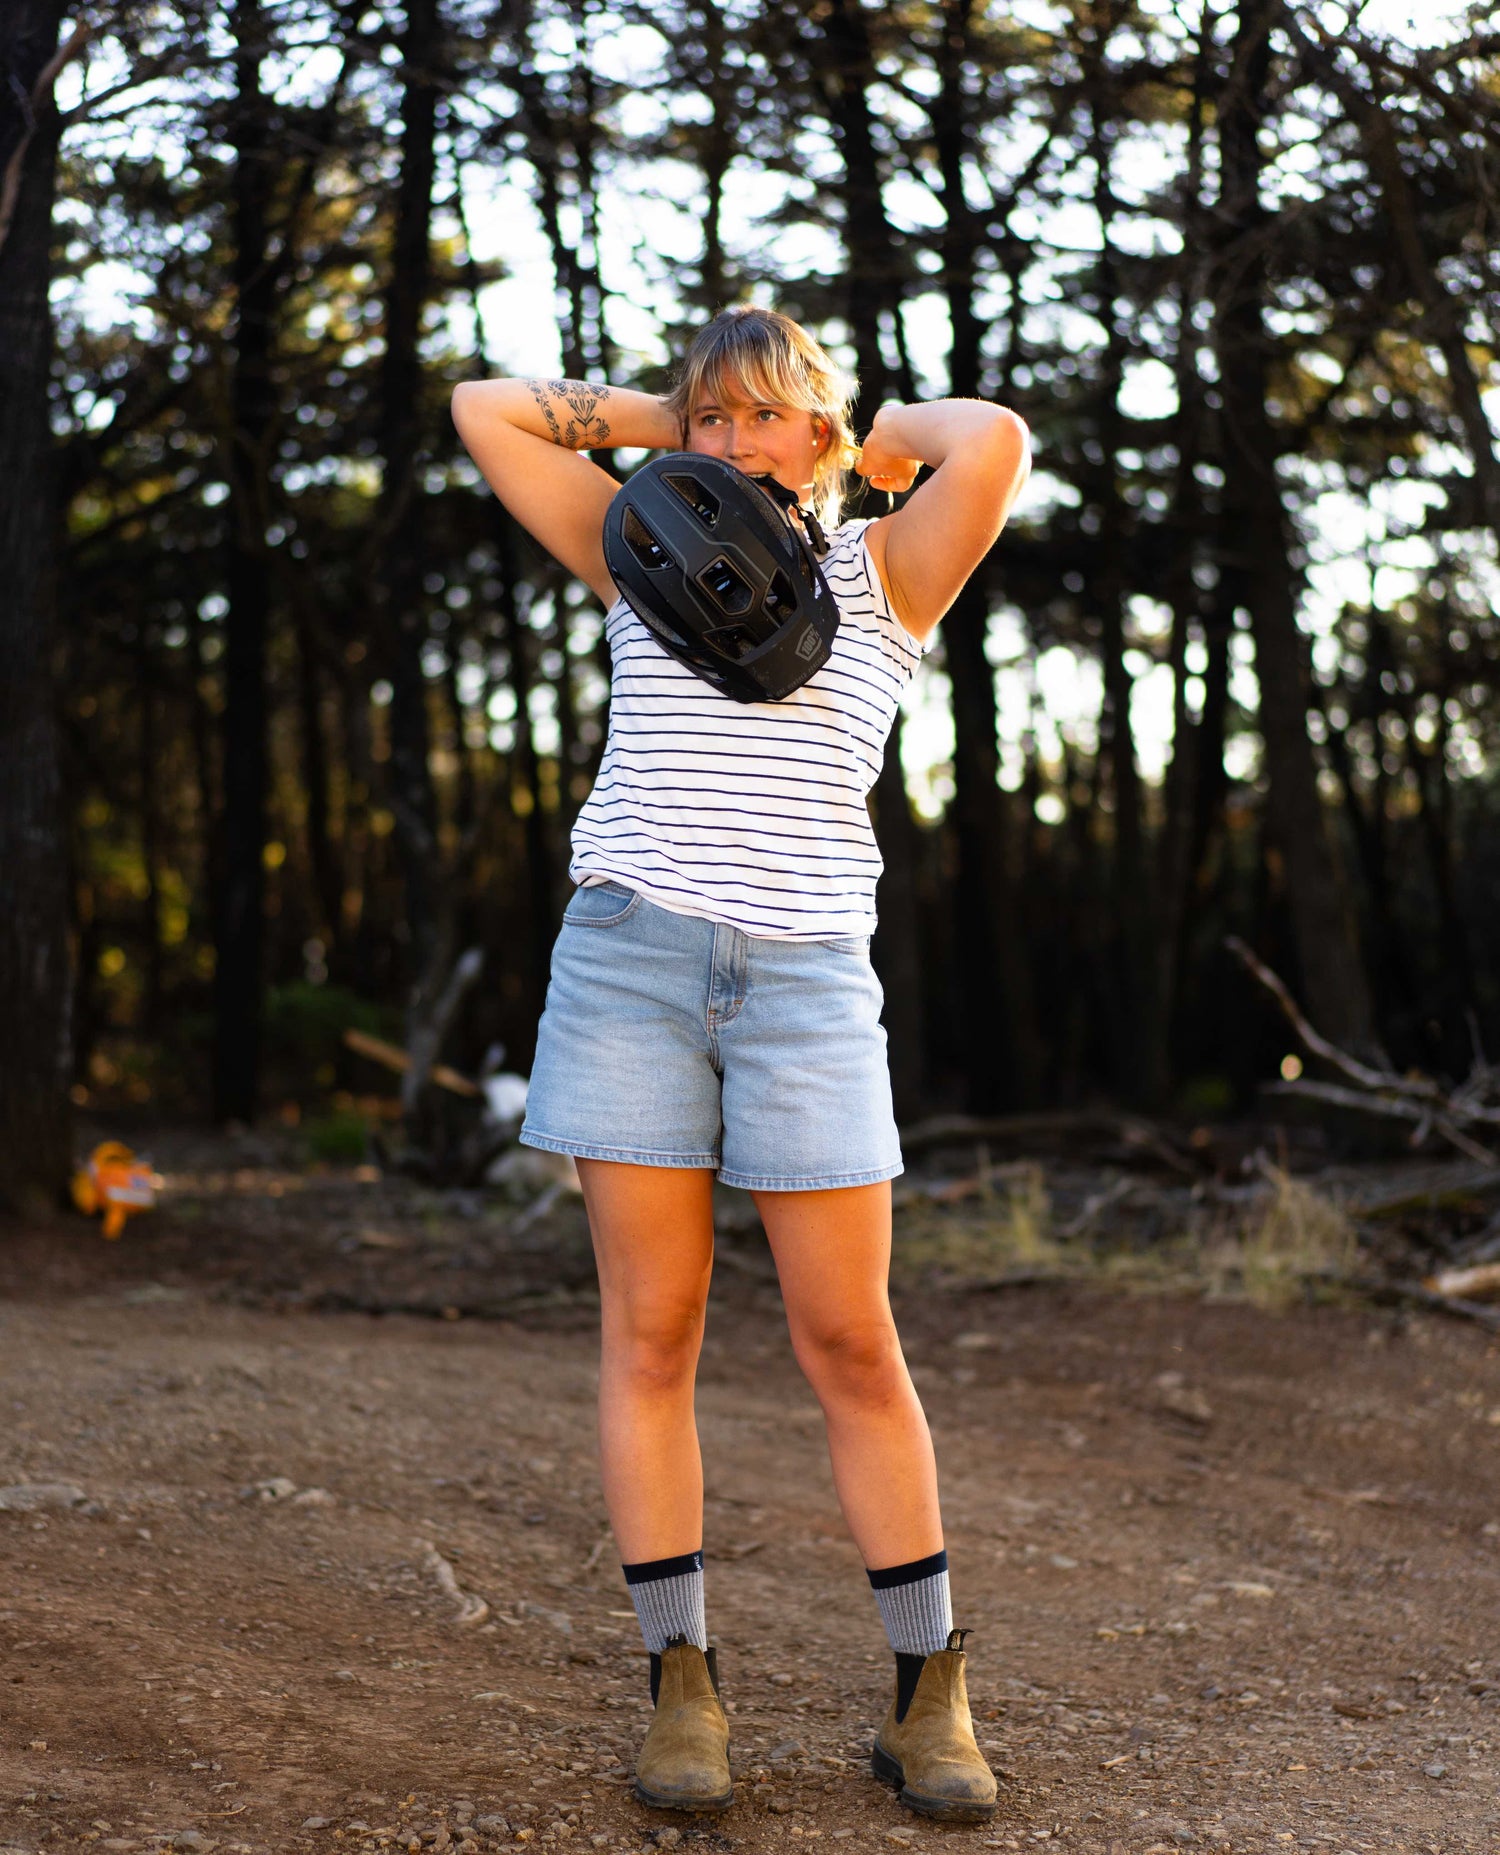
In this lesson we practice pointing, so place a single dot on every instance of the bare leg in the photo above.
(833, 1255)
(654, 1242)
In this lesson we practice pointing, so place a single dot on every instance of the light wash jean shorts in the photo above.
(672, 1041)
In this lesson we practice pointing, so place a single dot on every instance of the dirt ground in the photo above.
(288, 1575)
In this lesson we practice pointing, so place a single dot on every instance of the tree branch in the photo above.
(32, 107)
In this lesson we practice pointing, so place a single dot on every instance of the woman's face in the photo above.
(760, 438)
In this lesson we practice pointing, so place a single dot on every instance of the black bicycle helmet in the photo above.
(711, 564)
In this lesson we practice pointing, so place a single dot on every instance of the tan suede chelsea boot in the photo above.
(927, 1743)
(684, 1760)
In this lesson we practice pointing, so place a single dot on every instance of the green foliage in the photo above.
(1206, 1097)
(304, 1024)
(338, 1138)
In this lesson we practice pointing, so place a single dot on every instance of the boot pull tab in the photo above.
(908, 1674)
(956, 1639)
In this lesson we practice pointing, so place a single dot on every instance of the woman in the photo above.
(712, 1009)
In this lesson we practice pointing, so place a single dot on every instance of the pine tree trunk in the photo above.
(35, 977)
(1210, 780)
(716, 153)
(1138, 1056)
(527, 798)
(1369, 833)
(403, 553)
(241, 902)
(1257, 559)
(1004, 1060)
(1195, 776)
(148, 747)
(328, 884)
(869, 242)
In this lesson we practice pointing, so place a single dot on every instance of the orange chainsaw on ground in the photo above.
(114, 1183)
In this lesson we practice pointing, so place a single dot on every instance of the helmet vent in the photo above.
(780, 601)
(726, 588)
(719, 570)
(643, 544)
(733, 640)
(704, 505)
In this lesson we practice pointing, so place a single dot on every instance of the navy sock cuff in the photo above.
(649, 1570)
(905, 1574)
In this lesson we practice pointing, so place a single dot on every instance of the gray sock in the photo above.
(668, 1599)
(914, 1604)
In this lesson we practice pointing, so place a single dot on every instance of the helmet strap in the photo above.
(788, 500)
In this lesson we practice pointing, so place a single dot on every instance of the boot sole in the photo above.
(656, 1800)
(945, 1809)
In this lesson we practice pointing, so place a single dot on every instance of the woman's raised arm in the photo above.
(981, 456)
(526, 436)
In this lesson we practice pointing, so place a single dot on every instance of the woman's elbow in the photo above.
(469, 396)
(472, 396)
(1012, 432)
(1011, 455)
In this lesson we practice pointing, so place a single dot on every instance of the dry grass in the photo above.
(1294, 1241)
(1290, 1242)
(1009, 1229)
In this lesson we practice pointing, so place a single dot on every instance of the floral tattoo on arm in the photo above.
(580, 426)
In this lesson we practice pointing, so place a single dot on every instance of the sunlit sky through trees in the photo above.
(651, 228)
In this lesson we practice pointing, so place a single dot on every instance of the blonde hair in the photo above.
(768, 356)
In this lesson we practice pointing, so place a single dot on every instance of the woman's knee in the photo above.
(853, 1362)
(654, 1349)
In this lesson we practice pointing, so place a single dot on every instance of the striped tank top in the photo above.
(752, 813)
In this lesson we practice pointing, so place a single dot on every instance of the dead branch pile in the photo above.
(1455, 1115)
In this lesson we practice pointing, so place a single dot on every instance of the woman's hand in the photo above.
(882, 465)
(979, 456)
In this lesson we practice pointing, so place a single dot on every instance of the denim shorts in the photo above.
(669, 1040)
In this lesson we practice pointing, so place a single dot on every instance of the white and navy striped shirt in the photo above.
(751, 812)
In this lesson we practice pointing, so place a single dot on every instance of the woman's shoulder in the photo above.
(846, 549)
(849, 566)
(852, 567)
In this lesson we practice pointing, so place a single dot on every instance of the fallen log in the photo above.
(1453, 1305)
(1444, 1189)
(1423, 1117)
(1481, 1283)
(1079, 1127)
(394, 1058)
(1411, 1294)
(955, 1191)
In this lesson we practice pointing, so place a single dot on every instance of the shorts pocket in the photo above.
(857, 944)
(601, 904)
